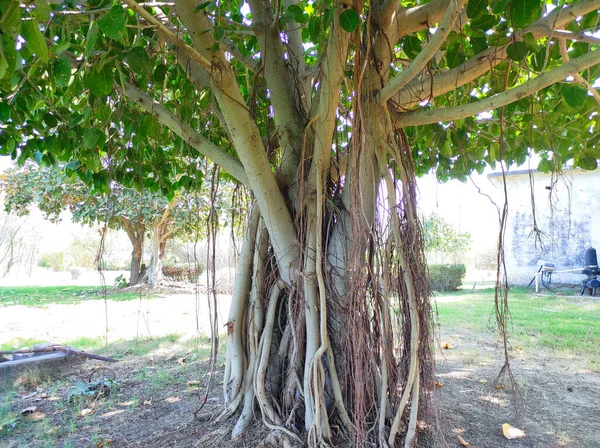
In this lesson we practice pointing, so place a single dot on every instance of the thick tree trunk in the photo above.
(159, 242)
(316, 354)
(136, 232)
(136, 262)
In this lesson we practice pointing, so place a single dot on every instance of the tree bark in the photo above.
(136, 233)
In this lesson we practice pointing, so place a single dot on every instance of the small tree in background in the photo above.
(443, 241)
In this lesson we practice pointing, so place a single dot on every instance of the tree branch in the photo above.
(578, 36)
(418, 18)
(189, 135)
(501, 99)
(562, 45)
(323, 117)
(416, 91)
(170, 36)
(248, 143)
(282, 88)
(445, 26)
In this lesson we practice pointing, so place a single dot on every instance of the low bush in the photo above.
(446, 277)
(182, 273)
(54, 261)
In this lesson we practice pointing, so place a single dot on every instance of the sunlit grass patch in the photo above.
(46, 295)
(565, 325)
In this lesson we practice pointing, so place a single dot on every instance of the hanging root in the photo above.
(235, 357)
(254, 327)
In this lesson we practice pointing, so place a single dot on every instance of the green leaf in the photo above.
(295, 13)
(100, 82)
(74, 165)
(455, 56)
(586, 162)
(476, 7)
(42, 10)
(531, 42)
(498, 5)
(34, 40)
(160, 72)
(59, 49)
(62, 72)
(4, 112)
(113, 23)
(38, 156)
(205, 98)
(218, 33)
(11, 18)
(8, 54)
(91, 39)
(484, 22)
(538, 60)
(479, 44)
(139, 61)
(314, 28)
(411, 46)
(202, 6)
(589, 20)
(349, 20)
(573, 94)
(524, 12)
(92, 137)
(517, 51)
(50, 120)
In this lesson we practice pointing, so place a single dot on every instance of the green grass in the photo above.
(121, 348)
(565, 325)
(46, 295)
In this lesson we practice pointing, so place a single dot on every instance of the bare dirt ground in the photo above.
(154, 404)
(559, 403)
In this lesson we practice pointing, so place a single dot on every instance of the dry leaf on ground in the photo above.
(34, 417)
(172, 399)
(511, 432)
(463, 442)
(438, 384)
(86, 411)
(447, 346)
(148, 402)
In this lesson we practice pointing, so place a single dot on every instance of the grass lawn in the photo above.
(567, 325)
(45, 295)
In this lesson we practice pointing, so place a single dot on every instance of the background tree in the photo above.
(137, 213)
(442, 239)
(18, 244)
(323, 109)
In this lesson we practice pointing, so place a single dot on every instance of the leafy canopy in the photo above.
(65, 68)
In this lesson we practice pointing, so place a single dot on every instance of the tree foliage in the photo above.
(122, 208)
(441, 237)
(325, 110)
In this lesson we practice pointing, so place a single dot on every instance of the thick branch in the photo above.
(418, 18)
(332, 70)
(189, 135)
(248, 144)
(501, 99)
(446, 25)
(285, 102)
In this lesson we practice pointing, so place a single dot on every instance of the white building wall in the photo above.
(567, 212)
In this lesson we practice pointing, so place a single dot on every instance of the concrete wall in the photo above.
(567, 213)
